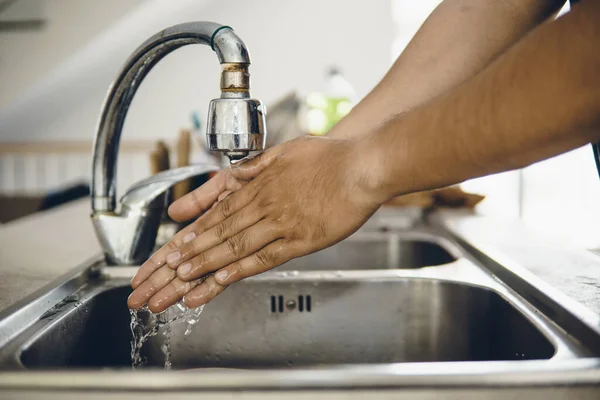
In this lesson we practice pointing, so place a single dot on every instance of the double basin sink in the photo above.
(380, 297)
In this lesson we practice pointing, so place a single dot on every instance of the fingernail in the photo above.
(189, 237)
(221, 275)
(173, 257)
(132, 304)
(184, 269)
(135, 281)
(156, 305)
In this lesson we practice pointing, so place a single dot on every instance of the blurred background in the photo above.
(58, 57)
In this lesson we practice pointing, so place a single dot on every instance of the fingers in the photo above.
(265, 259)
(269, 257)
(203, 293)
(171, 294)
(248, 170)
(147, 268)
(218, 238)
(214, 236)
(226, 208)
(223, 196)
(173, 255)
(148, 288)
(159, 258)
(170, 252)
(197, 201)
(234, 248)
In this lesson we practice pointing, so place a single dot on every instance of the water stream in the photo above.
(145, 324)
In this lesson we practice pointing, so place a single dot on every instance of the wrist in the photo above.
(388, 161)
(368, 171)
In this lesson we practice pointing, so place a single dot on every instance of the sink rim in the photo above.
(408, 375)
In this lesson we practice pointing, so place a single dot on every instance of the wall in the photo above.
(291, 43)
(26, 56)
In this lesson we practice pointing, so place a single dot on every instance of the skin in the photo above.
(504, 108)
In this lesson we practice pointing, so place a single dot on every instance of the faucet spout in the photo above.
(236, 125)
(235, 85)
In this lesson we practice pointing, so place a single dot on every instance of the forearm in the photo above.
(539, 99)
(458, 40)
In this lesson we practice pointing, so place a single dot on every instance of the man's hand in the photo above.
(294, 199)
(155, 274)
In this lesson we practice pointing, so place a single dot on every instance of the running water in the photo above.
(166, 347)
(145, 324)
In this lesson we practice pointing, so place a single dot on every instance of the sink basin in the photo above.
(378, 250)
(279, 321)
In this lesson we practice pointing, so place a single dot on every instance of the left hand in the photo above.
(292, 200)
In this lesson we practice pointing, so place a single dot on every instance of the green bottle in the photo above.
(327, 108)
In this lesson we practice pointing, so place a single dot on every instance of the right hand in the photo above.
(155, 273)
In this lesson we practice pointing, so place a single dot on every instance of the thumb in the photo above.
(250, 169)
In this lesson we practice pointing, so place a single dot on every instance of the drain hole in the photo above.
(278, 304)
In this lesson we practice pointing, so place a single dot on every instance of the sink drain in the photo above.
(279, 304)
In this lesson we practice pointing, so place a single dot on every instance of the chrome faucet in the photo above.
(235, 126)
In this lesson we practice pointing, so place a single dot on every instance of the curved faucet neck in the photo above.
(233, 56)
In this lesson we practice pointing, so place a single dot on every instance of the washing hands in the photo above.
(292, 200)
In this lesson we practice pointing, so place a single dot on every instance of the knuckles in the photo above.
(224, 208)
(235, 245)
(220, 232)
(263, 258)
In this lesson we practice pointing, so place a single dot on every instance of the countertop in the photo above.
(39, 248)
(572, 271)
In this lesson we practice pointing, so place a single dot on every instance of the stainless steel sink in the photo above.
(344, 311)
(278, 322)
(454, 312)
